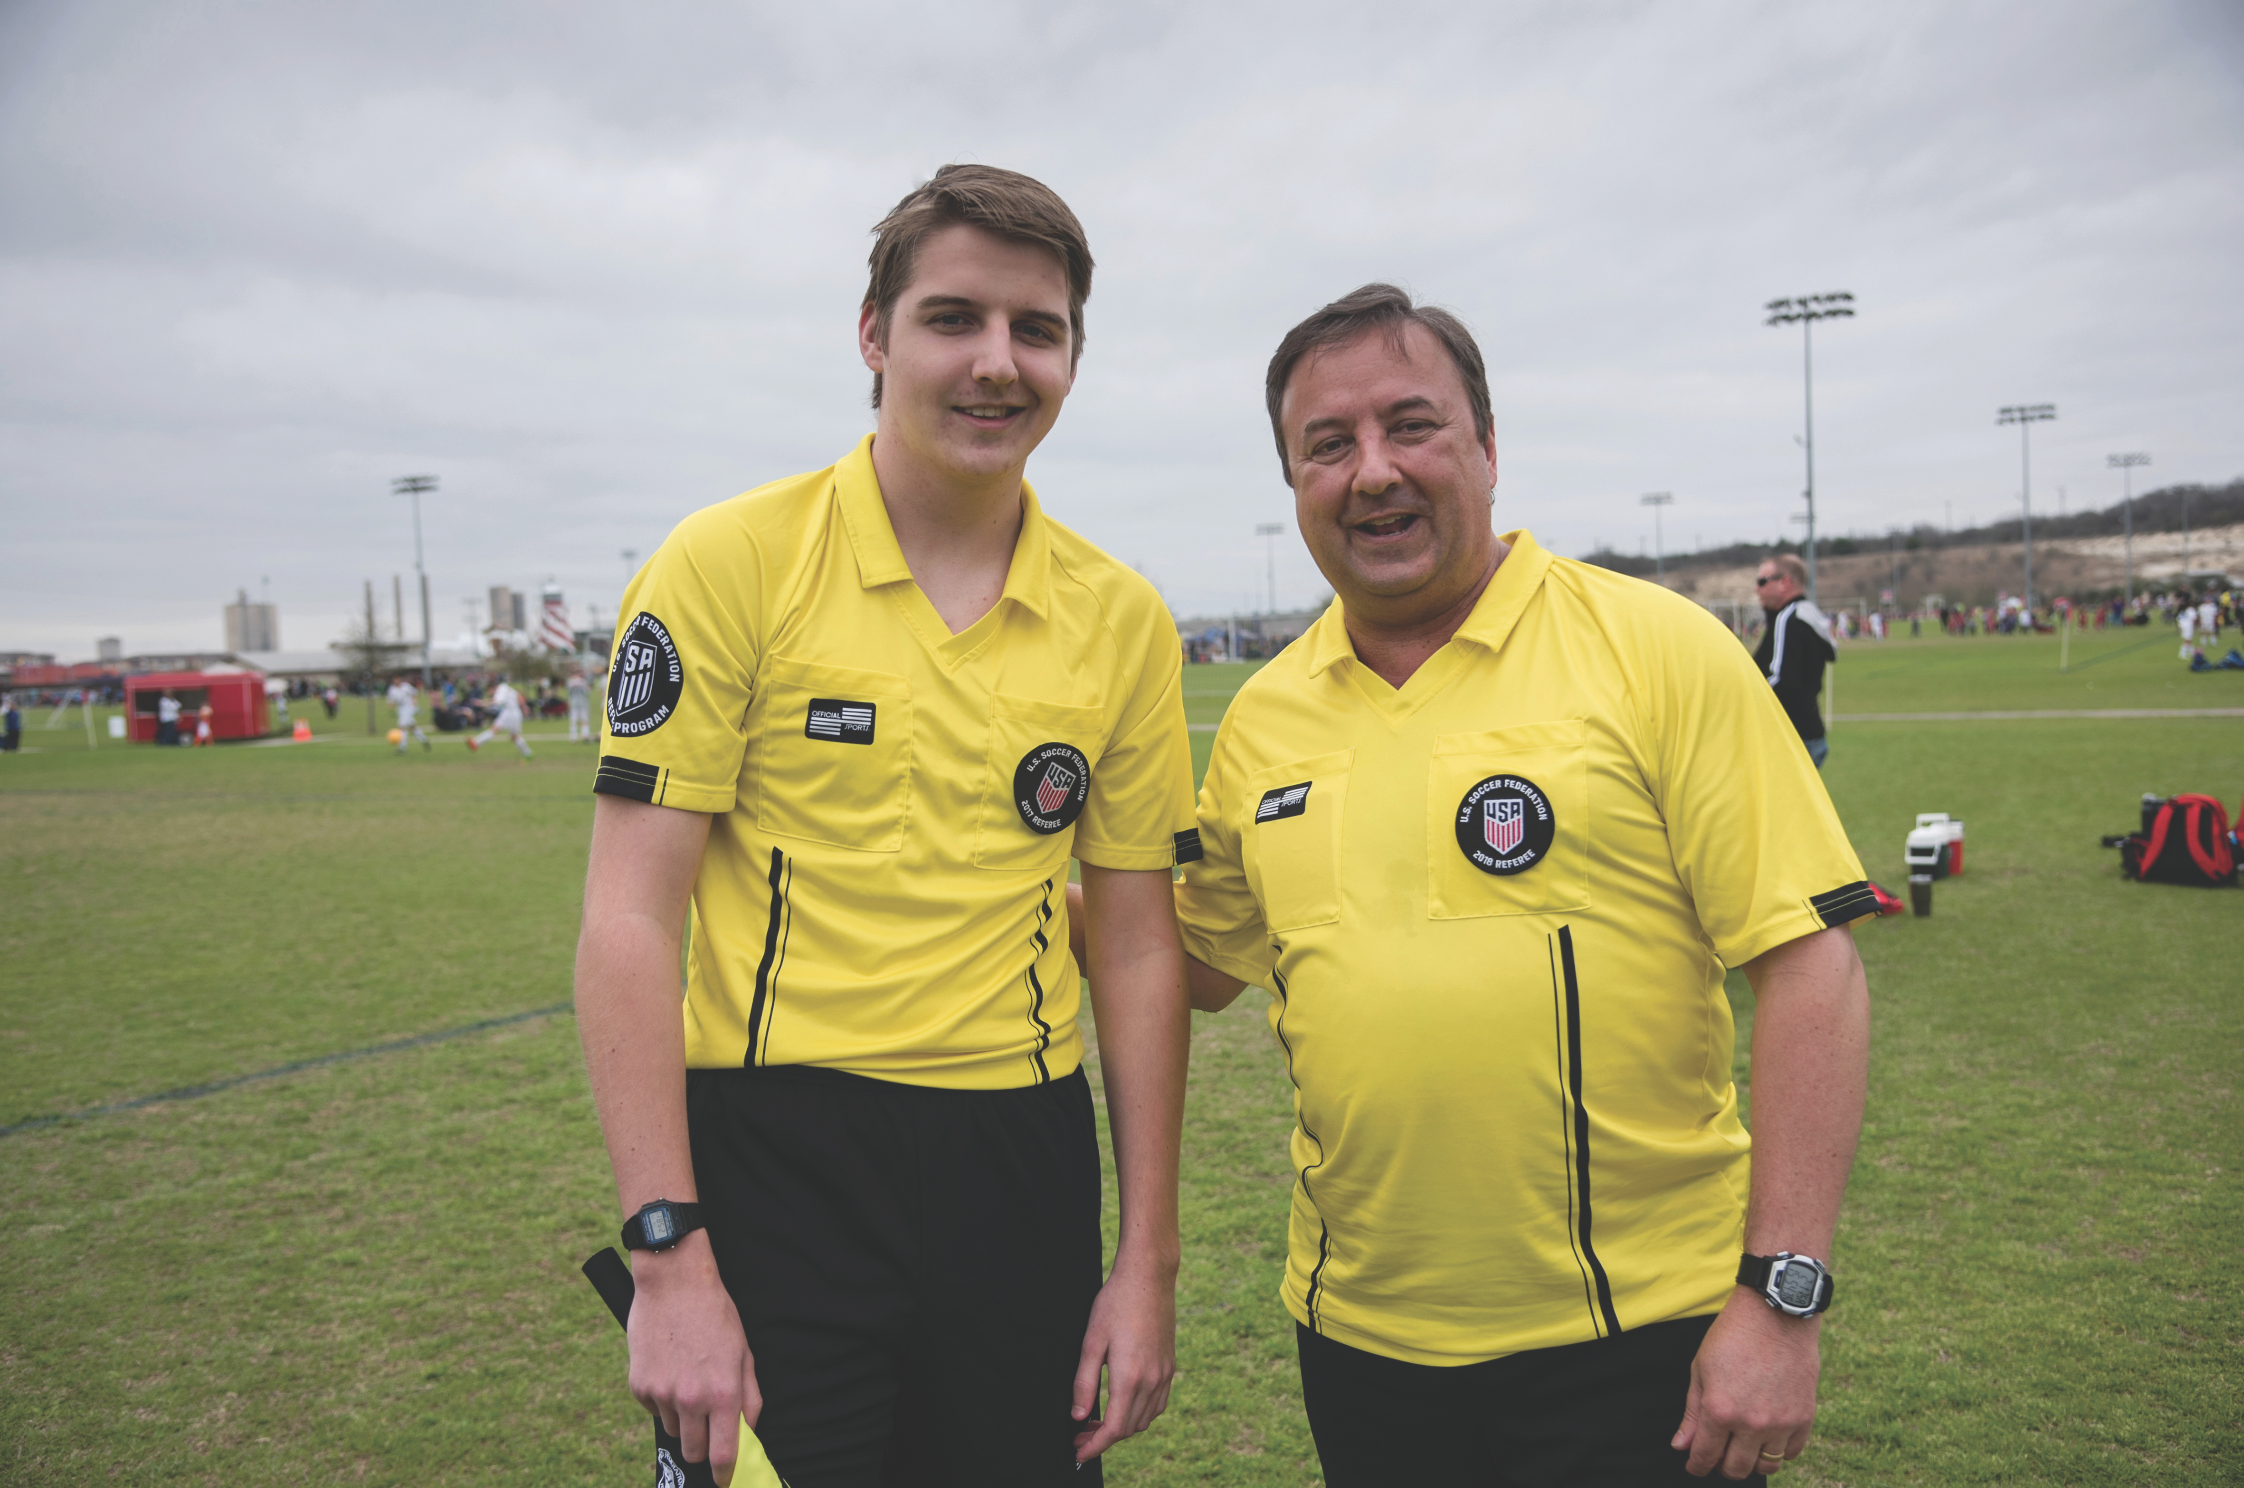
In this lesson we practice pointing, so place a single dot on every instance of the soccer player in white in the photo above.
(406, 698)
(580, 707)
(509, 722)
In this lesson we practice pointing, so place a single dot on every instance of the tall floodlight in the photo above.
(1270, 531)
(2126, 464)
(413, 486)
(1655, 501)
(1807, 310)
(2025, 416)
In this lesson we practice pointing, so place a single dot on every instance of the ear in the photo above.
(868, 338)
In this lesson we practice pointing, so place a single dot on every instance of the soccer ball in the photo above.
(397, 736)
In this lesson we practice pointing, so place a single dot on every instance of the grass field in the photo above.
(366, 1271)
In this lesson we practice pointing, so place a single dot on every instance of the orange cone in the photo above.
(302, 733)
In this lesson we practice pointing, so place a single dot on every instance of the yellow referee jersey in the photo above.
(1494, 908)
(895, 806)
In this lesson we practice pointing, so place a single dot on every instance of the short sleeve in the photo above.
(1139, 815)
(1217, 914)
(1756, 840)
(683, 670)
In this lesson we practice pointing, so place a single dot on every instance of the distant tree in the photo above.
(368, 657)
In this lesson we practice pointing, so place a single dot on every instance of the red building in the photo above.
(237, 702)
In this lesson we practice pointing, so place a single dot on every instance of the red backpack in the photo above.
(2185, 841)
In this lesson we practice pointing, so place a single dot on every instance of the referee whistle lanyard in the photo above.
(611, 1278)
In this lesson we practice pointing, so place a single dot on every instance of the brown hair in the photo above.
(1380, 307)
(1790, 566)
(1006, 203)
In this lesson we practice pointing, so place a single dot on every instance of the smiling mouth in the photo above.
(1392, 526)
(996, 413)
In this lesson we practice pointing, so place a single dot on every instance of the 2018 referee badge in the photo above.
(1505, 825)
(1050, 785)
(648, 679)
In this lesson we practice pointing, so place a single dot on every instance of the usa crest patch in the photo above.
(1050, 785)
(1505, 825)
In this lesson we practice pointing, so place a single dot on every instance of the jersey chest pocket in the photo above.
(1508, 828)
(1035, 782)
(1289, 843)
(836, 755)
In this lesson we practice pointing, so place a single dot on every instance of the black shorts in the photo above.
(1584, 1415)
(914, 1269)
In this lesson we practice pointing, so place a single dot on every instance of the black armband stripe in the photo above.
(1847, 902)
(632, 779)
(1188, 847)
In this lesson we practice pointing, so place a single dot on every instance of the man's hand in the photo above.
(690, 1362)
(1752, 1390)
(1133, 1333)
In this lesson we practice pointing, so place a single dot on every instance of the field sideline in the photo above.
(366, 1271)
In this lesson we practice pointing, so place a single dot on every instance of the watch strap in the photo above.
(684, 1219)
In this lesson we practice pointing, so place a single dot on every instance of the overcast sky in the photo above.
(595, 267)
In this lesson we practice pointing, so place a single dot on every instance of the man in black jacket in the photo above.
(1795, 646)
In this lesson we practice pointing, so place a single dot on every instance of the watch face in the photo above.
(661, 1228)
(1796, 1287)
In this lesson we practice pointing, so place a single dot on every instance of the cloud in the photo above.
(598, 268)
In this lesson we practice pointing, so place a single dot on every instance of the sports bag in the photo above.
(2184, 841)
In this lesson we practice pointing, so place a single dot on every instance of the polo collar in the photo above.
(1517, 578)
(1498, 610)
(880, 560)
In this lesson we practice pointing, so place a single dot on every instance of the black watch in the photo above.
(660, 1225)
(1795, 1285)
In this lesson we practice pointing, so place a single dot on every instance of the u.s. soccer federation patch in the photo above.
(1505, 825)
(643, 692)
(1050, 785)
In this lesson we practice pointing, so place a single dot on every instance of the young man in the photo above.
(865, 717)
(406, 699)
(1796, 646)
(1491, 830)
(508, 722)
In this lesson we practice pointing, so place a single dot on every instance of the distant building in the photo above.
(251, 627)
(171, 661)
(109, 648)
(509, 610)
(595, 641)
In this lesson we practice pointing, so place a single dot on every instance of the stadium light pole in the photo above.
(1807, 310)
(1655, 501)
(413, 486)
(2126, 464)
(1269, 531)
(2025, 416)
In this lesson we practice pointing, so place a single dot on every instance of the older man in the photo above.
(1491, 831)
(1796, 646)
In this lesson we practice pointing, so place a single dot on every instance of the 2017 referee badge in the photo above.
(1050, 785)
(1505, 825)
(648, 679)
